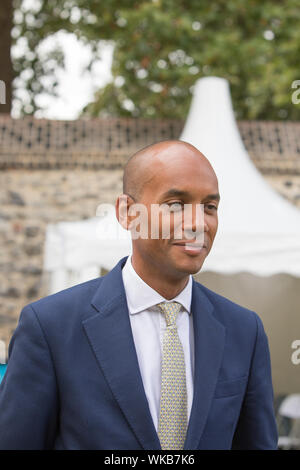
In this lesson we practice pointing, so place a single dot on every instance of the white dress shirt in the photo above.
(148, 326)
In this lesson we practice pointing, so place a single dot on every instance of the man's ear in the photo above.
(122, 205)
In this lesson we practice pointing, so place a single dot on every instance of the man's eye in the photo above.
(211, 207)
(175, 206)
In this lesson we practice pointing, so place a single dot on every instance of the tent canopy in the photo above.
(77, 251)
(259, 230)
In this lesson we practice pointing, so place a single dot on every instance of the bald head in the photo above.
(144, 164)
(164, 179)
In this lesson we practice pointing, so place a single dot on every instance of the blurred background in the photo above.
(84, 84)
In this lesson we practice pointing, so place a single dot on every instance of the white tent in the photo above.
(78, 251)
(259, 231)
(255, 259)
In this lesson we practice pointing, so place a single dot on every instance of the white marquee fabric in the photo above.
(259, 230)
(77, 251)
(255, 259)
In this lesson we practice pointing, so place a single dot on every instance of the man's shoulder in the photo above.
(70, 302)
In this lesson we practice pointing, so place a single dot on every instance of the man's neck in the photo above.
(168, 287)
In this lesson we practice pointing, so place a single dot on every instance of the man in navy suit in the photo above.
(85, 364)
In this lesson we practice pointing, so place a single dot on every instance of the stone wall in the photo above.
(29, 200)
(106, 143)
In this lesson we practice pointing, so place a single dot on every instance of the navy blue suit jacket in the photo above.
(73, 380)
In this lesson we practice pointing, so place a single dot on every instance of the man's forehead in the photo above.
(183, 170)
(188, 179)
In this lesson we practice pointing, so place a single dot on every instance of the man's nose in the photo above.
(194, 223)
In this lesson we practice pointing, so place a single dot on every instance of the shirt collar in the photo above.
(140, 296)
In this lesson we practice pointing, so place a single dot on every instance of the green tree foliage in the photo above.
(163, 46)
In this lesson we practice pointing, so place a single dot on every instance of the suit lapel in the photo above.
(110, 336)
(209, 337)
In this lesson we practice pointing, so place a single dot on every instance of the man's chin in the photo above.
(190, 266)
(188, 262)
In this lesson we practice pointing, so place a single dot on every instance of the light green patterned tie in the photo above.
(172, 423)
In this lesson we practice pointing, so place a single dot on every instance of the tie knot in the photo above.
(170, 311)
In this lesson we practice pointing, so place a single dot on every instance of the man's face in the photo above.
(179, 177)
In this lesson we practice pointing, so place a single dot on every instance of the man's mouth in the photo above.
(191, 247)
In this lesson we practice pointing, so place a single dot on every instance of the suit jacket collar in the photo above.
(140, 296)
(110, 336)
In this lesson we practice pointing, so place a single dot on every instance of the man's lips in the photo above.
(191, 247)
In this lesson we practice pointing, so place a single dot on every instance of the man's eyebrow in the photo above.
(216, 197)
(175, 192)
